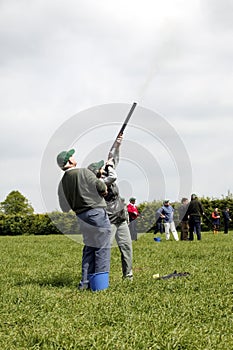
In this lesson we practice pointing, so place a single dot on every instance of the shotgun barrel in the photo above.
(115, 145)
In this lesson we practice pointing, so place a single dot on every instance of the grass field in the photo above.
(41, 307)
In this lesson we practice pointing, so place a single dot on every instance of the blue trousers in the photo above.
(96, 229)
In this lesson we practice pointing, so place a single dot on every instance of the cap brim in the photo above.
(95, 167)
(68, 155)
(100, 164)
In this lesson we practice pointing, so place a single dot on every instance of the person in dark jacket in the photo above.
(226, 219)
(194, 213)
(183, 217)
(80, 191)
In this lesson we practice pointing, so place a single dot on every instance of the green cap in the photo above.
(63, 157)
(193, 196)
(132, 199)
(95, 167)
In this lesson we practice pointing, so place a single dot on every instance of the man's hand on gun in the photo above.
(119, 138)
(110, 162)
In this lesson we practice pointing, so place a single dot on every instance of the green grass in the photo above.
(41, 307)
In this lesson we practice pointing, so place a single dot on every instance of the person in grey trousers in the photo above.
(116, 210)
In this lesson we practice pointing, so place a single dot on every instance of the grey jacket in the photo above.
(115, 204)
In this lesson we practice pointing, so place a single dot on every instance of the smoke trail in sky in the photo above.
(165, 54)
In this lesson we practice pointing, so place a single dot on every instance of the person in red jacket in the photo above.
(133, 214)
(216, 221)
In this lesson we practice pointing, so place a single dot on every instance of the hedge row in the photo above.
(38, 224)
(66, 223)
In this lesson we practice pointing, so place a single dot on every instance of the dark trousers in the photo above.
(226, 226)
(184, 230)
(133, 229)
(159, 228)
(194, 225)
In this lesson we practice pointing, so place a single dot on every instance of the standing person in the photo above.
(133, 215)
(194, 212)
(116, 211)
(166, 212)
(215, 221)
(184, 219)
(226, 219)
(81, 191)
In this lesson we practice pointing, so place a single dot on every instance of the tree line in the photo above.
(17, 216)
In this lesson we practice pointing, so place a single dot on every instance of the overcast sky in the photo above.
(174, 57)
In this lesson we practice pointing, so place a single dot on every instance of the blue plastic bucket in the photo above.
(157, 239)
(99, 281)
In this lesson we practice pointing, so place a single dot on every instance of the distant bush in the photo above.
(147, 210)
(38, 224)
(66, 223)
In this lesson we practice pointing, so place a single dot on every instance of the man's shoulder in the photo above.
(130, 205)
(70, 171)
(167, 208)
(75, 171)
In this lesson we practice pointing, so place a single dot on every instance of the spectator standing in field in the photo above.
(133, 215)
(226, 219)
(116, 211)
(82, 192)
(166, 212)
(215, 221)
(183, 217)
(195, 212)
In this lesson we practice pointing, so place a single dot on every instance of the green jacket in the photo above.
(80, 190)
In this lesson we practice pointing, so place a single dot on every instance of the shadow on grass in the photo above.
(51, 281)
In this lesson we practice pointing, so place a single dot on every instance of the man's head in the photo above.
(193, 196)
(184, 200)
(96, 168)
(132, 200)
(66, 160)
(166, 202)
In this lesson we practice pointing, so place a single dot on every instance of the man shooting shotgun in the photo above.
(115, 204)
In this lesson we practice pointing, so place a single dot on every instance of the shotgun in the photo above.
(116, 144)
